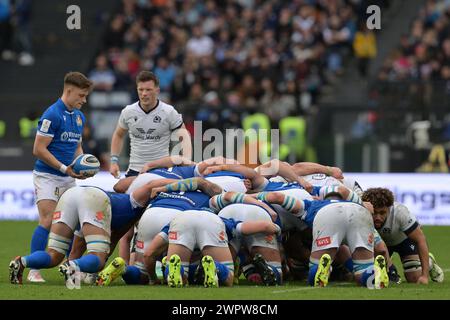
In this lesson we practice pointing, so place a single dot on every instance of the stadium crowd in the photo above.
(424, 53)
(219, 60)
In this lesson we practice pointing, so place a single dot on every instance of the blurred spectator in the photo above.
(6, 30)
(365, 48)
(22, 18)
(102, 76)
(199, 44)
(166, 72)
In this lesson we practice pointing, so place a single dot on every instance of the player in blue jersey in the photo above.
(168, 204)
(57, 143)
(98, 213)
(210, 233)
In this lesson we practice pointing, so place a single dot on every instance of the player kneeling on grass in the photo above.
(334, 221)
(98, 213)
(402, 233)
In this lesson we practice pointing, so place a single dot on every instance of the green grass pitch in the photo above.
(15, 237)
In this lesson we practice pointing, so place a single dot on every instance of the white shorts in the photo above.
(229, 183)
(81, 205)
(151, 223)
(198, 229)
(48, 186)
(343, 222)
(141, 180)
(248, 212)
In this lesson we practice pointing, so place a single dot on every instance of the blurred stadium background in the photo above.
(368, 101)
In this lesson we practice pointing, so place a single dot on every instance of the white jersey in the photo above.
(322, 180)
(149, 132)
(398, 221)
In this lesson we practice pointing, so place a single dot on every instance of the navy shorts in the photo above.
(405, 248)
(131, 173)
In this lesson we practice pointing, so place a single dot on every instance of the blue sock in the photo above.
(38, 260)
(365, 277)
(191, 274)
(70, 248)
(89, 263)
(222, 272)
(277, 273)
(312, 273)
(39, 239)
(132, 275)
(349, 264)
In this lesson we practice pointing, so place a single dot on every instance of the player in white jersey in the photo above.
(150, 123)
(401, 231)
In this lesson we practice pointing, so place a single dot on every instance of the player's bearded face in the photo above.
(379, 216)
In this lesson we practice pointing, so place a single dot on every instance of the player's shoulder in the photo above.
(131, 107)
(165, 107)
(399, 209)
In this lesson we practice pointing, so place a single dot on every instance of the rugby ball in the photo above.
(86, 165)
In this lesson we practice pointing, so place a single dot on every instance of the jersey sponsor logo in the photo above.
(70, 136)
(140, 244)
(323, 241)
(157, 119)
(173, 235)
(79, 121)
(145, 135)
(45, 125)
(412, 246)
(222, 235)
(56, 215)
(318, 176)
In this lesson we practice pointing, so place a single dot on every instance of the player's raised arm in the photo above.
(305, 168)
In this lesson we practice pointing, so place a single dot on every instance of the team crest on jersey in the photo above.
(79, 122)
(173, 235)
(56, 215)
(323, 241)
(157, 119)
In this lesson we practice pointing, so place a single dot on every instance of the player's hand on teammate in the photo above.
(305, 184)
(114, 170)
(156, 191)
(146, 167)
(336, 173)
(71, 173)
(368, 206)
(212, 169)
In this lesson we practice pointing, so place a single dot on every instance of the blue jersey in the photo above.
(230, 227)
(176, 172)
(225, 174)
(65, 128)
(190, 200)
(165, 173)
(122, 212)
(280, 186)
(312, 207)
